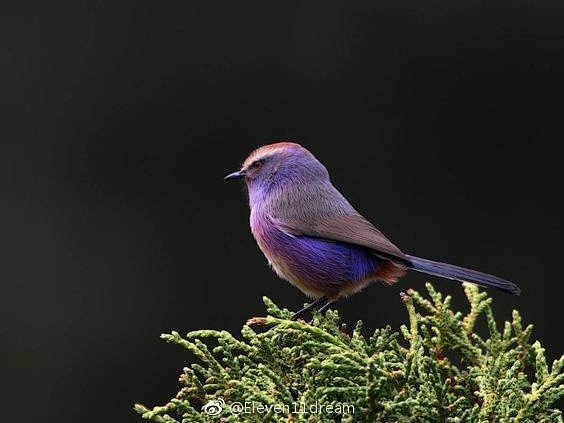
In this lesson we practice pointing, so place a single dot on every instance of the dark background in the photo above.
(438, 120)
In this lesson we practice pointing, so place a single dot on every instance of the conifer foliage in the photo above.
(436, 368)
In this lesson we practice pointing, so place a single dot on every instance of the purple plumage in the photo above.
(315, 239)
(316, 266)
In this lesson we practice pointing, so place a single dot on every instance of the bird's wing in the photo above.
(351, 228)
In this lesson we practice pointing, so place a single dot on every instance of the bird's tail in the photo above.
(462, 274)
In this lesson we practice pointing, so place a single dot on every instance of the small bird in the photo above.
(313, 238)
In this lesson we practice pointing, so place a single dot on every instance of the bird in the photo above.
(315, 239)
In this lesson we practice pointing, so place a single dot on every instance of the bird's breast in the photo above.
(271, 241)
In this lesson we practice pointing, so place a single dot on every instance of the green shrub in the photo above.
(435, 369)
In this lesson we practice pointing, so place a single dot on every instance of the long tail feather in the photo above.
(462, 274)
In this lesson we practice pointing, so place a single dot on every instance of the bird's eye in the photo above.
(256, 164)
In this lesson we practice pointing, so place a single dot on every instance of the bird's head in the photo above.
(275, 165)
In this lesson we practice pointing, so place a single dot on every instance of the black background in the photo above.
(438, 120)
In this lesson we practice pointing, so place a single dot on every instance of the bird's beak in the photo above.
(236, 175)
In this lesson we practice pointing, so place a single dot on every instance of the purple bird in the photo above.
(314, 238)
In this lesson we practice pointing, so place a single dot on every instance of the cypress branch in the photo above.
(436, 368)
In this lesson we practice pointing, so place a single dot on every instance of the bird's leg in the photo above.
(323, 308)
(323, 302)
(319, 302)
